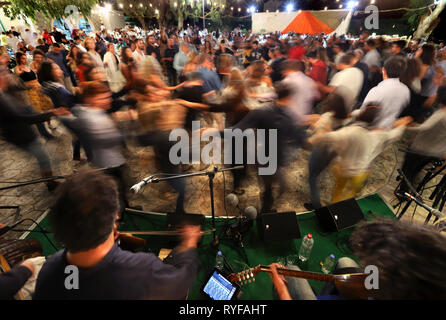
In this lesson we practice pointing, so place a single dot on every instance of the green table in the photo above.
(258, 252)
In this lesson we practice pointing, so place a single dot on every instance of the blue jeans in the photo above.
(300, 289)
(320, 159)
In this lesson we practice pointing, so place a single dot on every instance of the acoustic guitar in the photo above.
(350, 286)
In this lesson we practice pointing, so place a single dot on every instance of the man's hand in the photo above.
(279, 282)
(190, 235)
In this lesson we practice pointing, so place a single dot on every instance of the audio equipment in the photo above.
(339, 216)
(278, 226)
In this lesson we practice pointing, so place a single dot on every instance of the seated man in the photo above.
(409, 259)
(83, 221)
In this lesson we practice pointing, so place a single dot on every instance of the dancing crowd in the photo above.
(344, 99)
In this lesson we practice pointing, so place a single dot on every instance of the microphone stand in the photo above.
(418, 199)
(211, 175)
(33, 182)
(17, 208)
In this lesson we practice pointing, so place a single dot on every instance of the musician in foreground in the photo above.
(409, 258)
(85, 226)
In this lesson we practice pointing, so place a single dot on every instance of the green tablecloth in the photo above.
(258, 252)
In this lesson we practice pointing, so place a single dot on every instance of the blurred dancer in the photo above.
(305, 91)
(356, 148)
(334, 117)
(16, 129)
(98, 132)
(429, 144)
(276, 117)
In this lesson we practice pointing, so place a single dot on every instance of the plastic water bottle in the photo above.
(219, 261)
(328, 264)
(305, 248)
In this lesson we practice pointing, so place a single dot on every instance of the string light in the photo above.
(121, 5)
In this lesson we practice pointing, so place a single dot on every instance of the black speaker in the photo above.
(339, 216)
(175, 220)
(278, 226)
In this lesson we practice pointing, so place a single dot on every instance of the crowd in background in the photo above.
(344, 99)
(221, 77)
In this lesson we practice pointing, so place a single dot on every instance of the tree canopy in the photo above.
(52, 9)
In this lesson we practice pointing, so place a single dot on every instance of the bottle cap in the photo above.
(309, 236)
(219, 253)
(332, 256)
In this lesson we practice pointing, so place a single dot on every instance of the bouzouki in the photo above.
(350, 286)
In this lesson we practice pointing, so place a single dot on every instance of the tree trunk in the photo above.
(427, 20)
(180, 22)
(142, 21)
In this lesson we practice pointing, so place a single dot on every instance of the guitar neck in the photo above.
(301, 274)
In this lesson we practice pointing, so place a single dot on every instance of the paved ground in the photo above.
(17, 166)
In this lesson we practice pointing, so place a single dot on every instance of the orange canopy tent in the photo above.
(306, 23)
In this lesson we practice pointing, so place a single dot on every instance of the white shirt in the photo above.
(372, 59)
(349, 84)
(12, 42)
(138, 56)
(393, 96)
(357, 147)
(97, 58)
(305, 92)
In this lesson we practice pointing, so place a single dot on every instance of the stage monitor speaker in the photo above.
(175, 220)
(278, 226)
(339, 216)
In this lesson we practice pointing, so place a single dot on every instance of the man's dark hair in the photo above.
(347, 58)
(335, 103)
(45, 73)
(370, 112)
(371, 43)
(38, 52)
(395, 67)
(283, 90)
(428, 54)
(409, 257)
(313, 54)
(56, 45)
(293, 65)
(400, 44)
(84, 211)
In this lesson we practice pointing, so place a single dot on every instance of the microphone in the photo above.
(250, 213)
(135, 188)
(232, 200)
(435, 212)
